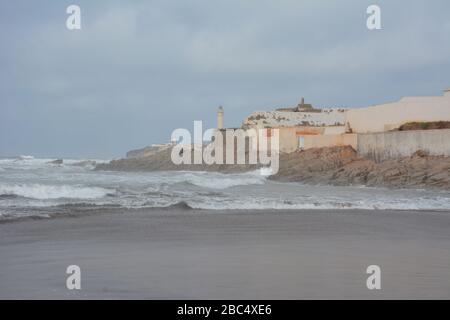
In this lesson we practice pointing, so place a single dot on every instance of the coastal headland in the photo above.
(330, 165)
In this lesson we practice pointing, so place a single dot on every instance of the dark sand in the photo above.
(172, 254)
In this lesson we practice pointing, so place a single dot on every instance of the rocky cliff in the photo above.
(342, 166)
(335, 166)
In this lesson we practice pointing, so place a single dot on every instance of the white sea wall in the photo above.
(390, 116)
(398, 144)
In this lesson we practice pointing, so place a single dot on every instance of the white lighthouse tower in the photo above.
(220, 118)
(447, 92)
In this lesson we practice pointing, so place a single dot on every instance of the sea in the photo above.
(43, 188)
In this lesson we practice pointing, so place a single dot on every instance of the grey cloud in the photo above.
(139, 69)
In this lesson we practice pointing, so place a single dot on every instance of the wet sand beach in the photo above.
(253, 254)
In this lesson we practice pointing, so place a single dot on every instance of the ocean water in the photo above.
(36, 187)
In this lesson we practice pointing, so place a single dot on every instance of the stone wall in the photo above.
(390, 116)
(331, 140)
(314, 137)
(397, 144)
(288, 139)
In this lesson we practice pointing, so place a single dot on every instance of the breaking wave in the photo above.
(25, 157)
(220, 180)
(33, 187)
(182, 205)
(31, 163)
(44, 192)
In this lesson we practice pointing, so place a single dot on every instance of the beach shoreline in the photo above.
(239, 254)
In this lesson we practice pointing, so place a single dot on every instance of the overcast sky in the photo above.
(139, 69)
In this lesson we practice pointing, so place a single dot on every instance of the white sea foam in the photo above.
(224, 182)
(43, 192)
(25, 157)
(265, 171)
(35, 187)
(274, 204)
(214, 180)
(29, 163)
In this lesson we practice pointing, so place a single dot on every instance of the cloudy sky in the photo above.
(139, 69)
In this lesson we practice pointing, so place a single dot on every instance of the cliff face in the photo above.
(334, 166)
(342, 166)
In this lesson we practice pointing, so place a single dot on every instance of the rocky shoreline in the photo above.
(322, 166)
(342, 166)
